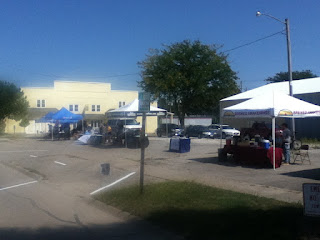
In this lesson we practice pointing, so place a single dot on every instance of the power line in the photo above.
(249, 43)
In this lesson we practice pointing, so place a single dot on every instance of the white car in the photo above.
(227, 131)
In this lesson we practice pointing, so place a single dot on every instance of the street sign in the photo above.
(144, 102)
(311, 199)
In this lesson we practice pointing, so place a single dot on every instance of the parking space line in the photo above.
(18, 185)
(24, 151)
(33, 156)
(60, 163)
(111, 184)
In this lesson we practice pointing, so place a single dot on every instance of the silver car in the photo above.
(227, 131)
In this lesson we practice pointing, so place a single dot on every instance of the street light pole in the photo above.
(289, 55)
(286, 22)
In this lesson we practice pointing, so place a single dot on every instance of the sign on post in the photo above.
(144, 107)
(144, 102)
(311, 199)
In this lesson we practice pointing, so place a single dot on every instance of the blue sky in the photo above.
(100, 40)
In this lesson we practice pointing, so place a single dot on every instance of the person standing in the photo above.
(286, 136)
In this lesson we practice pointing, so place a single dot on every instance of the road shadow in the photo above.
(130, 230)
(231, 223)
(310, 174)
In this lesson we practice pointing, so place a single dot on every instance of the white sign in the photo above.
(144, 102)
(311, 199)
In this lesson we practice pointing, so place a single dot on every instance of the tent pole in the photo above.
(221, 119)
(274, 142)
(125, 132)
(167, 124)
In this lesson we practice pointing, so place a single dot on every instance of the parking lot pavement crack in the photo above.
(35, 205)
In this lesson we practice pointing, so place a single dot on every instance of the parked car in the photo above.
(173, 130)
(198, 131)
(227, 131)
(260, 128)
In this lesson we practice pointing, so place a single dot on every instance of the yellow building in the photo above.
(91, 99)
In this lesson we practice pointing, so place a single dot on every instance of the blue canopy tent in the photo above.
(61, 116)
(65, 116)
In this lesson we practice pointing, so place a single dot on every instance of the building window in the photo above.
(93, 108)
(73, 107)
(98, 108)
(41, 103)
(121, 104)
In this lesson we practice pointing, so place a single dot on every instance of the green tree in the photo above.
(14, 104)
(296, 75)
(190, 77)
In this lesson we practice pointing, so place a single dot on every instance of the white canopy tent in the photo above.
(272, 105)
(132, 109)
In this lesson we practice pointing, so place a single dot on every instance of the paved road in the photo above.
(55, 203)
(59, 203)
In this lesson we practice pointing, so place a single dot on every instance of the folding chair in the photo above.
(303, 153)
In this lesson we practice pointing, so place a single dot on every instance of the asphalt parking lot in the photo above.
(57, 178)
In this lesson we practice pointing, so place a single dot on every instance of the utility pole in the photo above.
(286, 23)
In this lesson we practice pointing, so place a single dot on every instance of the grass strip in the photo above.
(201, 212)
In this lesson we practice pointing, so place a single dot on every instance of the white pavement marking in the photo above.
(111, 184)
(33, 156)
(1, 189)
(24, 151)
(60, 163)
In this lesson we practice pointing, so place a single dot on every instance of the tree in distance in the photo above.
(14, 104)
(190, 77)
(296, 75)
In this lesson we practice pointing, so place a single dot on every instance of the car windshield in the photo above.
(227, 127)
(130, 122)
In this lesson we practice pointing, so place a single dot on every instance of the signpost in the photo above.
(144, 107)
(311, 199)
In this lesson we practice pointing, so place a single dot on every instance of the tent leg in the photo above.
(274, 142)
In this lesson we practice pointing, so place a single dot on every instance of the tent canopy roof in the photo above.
(309, 85)
(133, 108)
(271, 105)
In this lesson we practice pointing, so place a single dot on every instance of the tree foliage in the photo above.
(296, 75)
(14, 104)
(188, 76)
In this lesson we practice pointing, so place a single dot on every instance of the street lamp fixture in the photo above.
(286, 23)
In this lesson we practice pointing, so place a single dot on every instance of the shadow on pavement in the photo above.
(134, 230)
(310, 174)
(230, 162)
(235, 223)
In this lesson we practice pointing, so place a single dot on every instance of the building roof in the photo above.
(309, 85)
